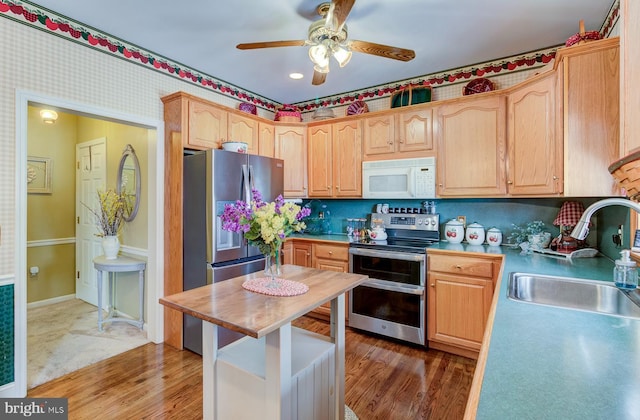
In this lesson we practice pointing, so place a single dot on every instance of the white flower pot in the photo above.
(111, 247)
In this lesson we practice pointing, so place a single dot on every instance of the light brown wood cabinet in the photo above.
(460, 292)
(207, 126)
(590, 77)
(291, 146)
(534, 138)
(333, 257)
(471, 146)
(297, 253)
(399, 134)
(243, 128)
(335, 159)
(266, 139)
(321, 255)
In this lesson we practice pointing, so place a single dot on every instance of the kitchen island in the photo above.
(272, 356)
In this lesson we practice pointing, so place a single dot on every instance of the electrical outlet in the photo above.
(620, 230)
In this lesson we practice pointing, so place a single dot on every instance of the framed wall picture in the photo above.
(38, 175)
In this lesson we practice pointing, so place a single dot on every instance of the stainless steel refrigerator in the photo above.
(213, 178)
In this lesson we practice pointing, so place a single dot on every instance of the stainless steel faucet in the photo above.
(581, 230)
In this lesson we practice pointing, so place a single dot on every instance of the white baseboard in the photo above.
(51, 301)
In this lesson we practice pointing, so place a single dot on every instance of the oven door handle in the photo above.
(394, 287)
(405, 256)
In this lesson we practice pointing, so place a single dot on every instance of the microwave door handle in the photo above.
(412, 182)
(246, 184)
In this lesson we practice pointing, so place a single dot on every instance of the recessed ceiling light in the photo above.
(296, 76)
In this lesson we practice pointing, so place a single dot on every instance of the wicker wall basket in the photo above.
(626, 171)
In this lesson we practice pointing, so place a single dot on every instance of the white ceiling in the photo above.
(445, 34)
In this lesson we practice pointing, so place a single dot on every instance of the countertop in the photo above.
(545, 362)
(550, 363)
(229, 305)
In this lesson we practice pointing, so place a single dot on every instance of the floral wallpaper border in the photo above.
(46, 20)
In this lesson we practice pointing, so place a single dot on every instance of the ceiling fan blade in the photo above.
(318, 78)
(387, 51)
(271, 44)
(338, 13)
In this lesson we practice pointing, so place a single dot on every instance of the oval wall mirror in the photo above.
(128, 182)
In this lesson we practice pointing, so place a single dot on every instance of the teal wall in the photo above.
(490, 212)
(6, 335)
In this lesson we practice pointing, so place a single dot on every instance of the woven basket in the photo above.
(626, 171)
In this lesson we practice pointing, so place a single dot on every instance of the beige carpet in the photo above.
(64, 337)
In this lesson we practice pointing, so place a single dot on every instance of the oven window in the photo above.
(399, 271)
(401, 308)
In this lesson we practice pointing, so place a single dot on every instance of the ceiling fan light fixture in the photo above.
(342, 54)
(319, 54)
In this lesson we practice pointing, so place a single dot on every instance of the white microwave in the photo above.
(399, 178)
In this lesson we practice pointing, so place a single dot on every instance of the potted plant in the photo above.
(110, 220)
(265, 225)
(532, 234)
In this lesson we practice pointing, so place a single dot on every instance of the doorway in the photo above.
(152, 232)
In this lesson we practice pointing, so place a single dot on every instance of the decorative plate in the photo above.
(358, 107)
(479, 85)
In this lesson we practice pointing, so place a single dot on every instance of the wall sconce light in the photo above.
(48, 116)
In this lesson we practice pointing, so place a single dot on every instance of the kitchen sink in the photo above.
(571, 293)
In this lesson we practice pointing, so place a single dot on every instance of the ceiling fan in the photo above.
(328, 37)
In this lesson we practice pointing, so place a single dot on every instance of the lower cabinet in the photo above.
(460, 293)
(334, 257)
(321, 255)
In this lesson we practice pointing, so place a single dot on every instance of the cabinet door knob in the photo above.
(433, 285)
(328, 187)
(459, 267)
(510, 182)
(330, 252)
(555, 178)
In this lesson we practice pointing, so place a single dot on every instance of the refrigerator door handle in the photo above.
(251, 179)
(246, 183)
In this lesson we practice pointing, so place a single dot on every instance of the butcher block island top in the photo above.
(276, 371)
(229, 305)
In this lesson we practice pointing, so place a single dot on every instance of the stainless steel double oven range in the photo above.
(393, 301)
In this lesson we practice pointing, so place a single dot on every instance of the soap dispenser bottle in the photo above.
(625, 274)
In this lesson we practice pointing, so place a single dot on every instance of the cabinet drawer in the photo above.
(479, 267)
(334, 252)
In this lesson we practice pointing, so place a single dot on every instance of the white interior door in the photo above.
(91, 176)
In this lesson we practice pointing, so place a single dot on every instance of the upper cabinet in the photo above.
(414, 131)
(266, 139)
(399, 134)
(291, 146)
(629, 88)
(243, 128)
(207, 126)
(471, 140)
(335, 159)
(534, 140)
(590, 77)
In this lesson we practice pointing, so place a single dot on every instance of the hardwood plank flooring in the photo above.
(384, 380)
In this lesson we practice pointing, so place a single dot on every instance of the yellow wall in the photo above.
(51, 217)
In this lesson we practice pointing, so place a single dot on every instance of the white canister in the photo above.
(494, 237)
(454, 231)
(475, 234)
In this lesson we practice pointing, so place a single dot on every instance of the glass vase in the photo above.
(272, 263)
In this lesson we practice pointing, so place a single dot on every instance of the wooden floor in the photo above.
(384, 380)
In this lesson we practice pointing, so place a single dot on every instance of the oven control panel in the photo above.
(418, 221)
